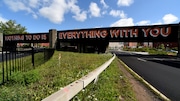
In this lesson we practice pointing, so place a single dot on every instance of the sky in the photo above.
(42, 15)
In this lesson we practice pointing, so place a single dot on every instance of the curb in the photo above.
(155, 91)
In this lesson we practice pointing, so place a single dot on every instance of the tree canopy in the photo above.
(10, 27)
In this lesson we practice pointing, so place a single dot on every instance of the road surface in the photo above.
(162, 72)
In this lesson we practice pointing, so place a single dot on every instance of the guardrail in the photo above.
(69, 91)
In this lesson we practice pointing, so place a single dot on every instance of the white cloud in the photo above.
(124, 2)
(3, 19)
(79, 15)
(19, 6)
(169, 18)
(117, 13)
(94, 10)
(54, 12)
(104, 12)
(144, 22)
(35, 16)
(104, 4)
(34, 3)
(123, 22)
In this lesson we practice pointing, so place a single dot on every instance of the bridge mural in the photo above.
(136, 33)
(97, 39)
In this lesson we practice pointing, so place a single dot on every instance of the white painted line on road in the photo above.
(141, 59)
(158, 59)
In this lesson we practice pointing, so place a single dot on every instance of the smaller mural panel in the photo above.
(27, 38)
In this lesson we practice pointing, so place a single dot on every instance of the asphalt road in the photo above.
(162, 72)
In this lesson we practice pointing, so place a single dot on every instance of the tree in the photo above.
(10, 27)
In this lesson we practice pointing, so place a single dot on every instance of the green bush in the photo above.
(17, 78)
(25, 77)
(31, 77)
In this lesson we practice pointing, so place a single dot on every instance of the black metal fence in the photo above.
(21, 60)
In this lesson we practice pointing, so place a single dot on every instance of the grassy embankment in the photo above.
(42, 81)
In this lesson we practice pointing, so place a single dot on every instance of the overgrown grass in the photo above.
(112, 85)
(39, 83)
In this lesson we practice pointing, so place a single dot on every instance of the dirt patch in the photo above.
(142, 93)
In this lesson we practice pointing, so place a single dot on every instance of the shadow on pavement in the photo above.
(173, 61)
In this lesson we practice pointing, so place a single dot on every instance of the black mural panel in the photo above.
(27, 38)
(153, 33)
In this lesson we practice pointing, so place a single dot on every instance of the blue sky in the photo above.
(42, 15)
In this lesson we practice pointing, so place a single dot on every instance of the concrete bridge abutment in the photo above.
(179, 41)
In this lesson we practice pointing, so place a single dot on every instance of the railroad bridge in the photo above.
(97, 39)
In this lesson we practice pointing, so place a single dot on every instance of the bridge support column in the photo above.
(80, 47)
(178, 41)
(52, 38)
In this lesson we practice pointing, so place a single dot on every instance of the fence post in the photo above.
(23, 64)
(2, 65)
(10, 60)
(6, 66)
(13, 60)
(44, 55)
(16, 69)
(59, 58)
(32, 56)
